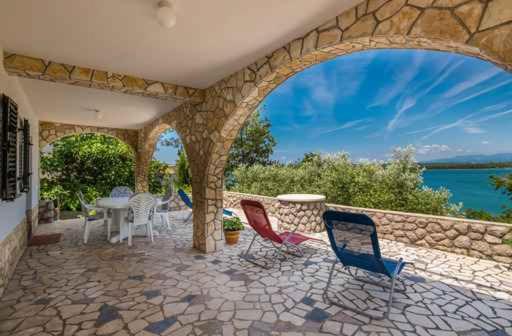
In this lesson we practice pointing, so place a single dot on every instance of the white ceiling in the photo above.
(72, 104)
(212, 38)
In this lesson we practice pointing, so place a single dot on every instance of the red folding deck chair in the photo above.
(258, 220)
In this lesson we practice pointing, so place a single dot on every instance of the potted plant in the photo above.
(232, 228)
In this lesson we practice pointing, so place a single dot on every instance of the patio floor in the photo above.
(167, 288)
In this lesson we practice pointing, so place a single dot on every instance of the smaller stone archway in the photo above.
(147, 140)
(50, 132)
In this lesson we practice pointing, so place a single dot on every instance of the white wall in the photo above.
(12, 213)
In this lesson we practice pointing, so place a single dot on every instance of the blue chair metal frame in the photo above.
(353, 238)
(188, 202)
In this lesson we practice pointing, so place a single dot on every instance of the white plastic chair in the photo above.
(121, 191)
(162, 207)
(87, 209)
(141, 212)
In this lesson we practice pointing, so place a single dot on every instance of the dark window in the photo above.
(9, 148)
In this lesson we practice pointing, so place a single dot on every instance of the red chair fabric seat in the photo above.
(293, 238)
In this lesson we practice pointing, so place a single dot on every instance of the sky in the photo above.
(367, 103)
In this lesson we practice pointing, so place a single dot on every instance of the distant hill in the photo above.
(477, 158)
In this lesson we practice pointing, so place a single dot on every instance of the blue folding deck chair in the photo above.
(353, 238)
(188, 202)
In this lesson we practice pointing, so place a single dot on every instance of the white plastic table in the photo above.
(119, 207)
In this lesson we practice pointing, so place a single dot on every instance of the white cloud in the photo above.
(433, 149)
(406, 104)
(357, 124)
(398, 85)
(473, 130)
(469, 126)
(485, 142)
(440, 128)
(442, 105)
(495, 116)
(472, 82)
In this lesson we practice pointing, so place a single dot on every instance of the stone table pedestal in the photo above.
(302, 210)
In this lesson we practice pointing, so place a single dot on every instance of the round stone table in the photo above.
(302, 210)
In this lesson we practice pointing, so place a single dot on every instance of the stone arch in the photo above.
(475, 28)
(149, 136)
(50, 132)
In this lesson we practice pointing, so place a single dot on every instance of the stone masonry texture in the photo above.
(466, 237)
(11, 250)
(209, 120)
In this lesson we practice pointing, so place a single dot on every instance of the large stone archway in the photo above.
(478, 28)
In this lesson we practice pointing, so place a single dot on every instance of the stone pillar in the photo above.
(143, 157)
(302, 212)
(208, 199)
(141, 174)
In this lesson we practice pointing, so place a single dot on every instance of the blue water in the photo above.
(472, 187)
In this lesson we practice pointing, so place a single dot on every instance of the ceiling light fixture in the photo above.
(166, 13)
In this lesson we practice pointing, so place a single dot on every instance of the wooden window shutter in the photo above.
(26, 157)
(9, 148)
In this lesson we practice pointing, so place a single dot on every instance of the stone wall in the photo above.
(11, 250)
(50, 132)
(468, 237)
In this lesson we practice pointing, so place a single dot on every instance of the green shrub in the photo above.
(395, 185)
(94, 164)
(233, 224)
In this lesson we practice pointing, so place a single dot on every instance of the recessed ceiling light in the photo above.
(97, 113)
(166, 13)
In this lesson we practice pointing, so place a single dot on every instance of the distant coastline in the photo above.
(458, 165)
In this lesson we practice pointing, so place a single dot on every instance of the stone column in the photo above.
(142, 161)
(302, 212)
(208, 199)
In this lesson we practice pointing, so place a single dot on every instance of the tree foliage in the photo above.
(183, 179)
(94, 164)
(397, 185)
(503, 184)
(159, 177)
(254, 145)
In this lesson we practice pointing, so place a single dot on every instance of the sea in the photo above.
(472, 187)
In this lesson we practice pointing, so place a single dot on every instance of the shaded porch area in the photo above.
(168, 288)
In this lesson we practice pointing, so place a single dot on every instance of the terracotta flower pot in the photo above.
(232, 237)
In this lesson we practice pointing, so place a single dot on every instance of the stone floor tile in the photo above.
(166, 288)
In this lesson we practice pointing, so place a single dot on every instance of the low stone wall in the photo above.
(463, 236)
(11, 250)
(47, 212)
